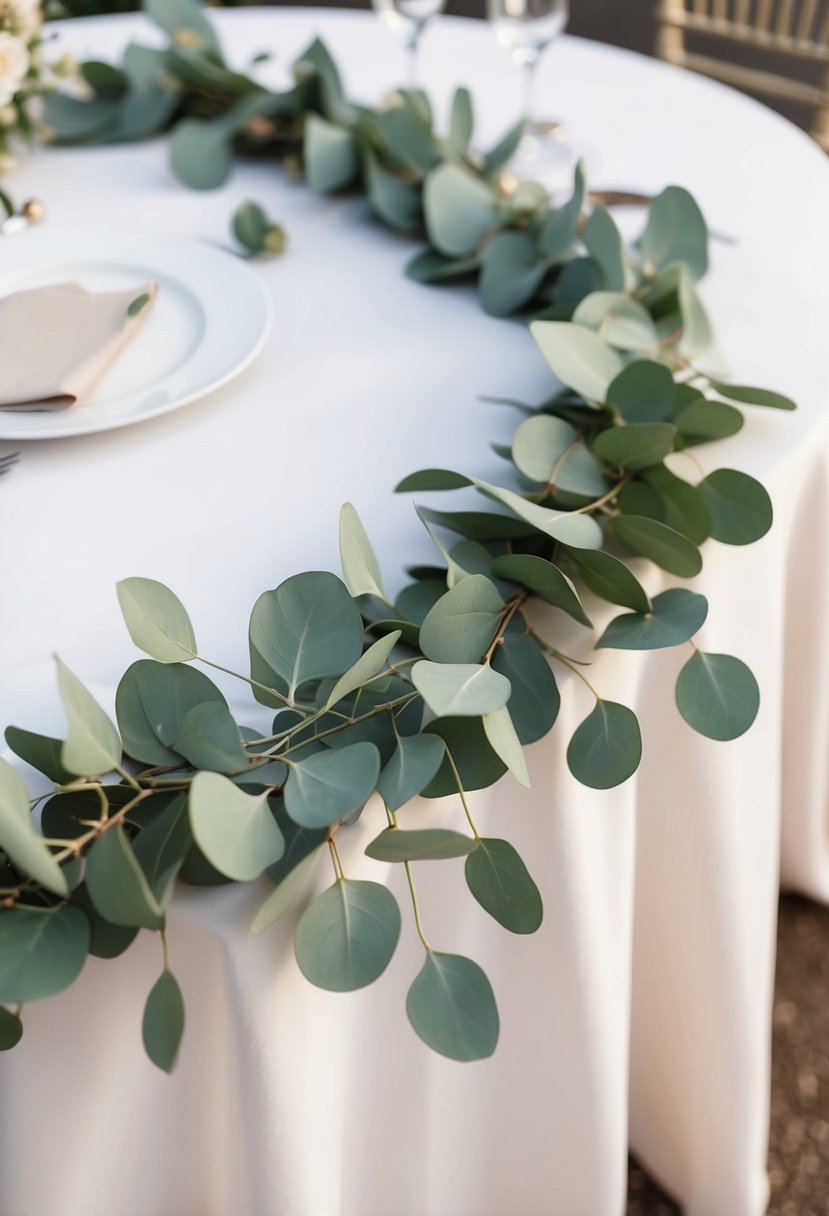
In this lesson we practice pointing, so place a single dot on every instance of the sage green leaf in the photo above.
(72, 120)
(415, 762)
(682, 506)
(118, 886)
(504, 741)
(250, 227)
(504, 150)
(347, 936)
(580, 531)
(545, 579)
(717, 695)
(697, 336)
(701, 421)
(329, 155)
(606, 576)
(157, 620)
(461, 690)
(479, 525)
(361, 568)
(643, 392)
(367, 666)
(151, 703)
(637, 445)
(209, 738)
(477, 764)
(163, 1024)
(606, 748)
(105, 939)
(201, 153)
(236, 832)
(674, 618)
(461, 122)
(754, 396)
(406, 136)
(458, 208)
(534, 702)
(42, 951)
(307, 628)
(11, 1029)
(452, 1008)
(663, 545)
(511, 273)
(429, 266)
(463, 622)
(331, 785)
(561, 229)
(40, 751)
(162, 846)
(291, 889)
(548, 450)
(580, 358)
(605, 245)
(93, 745)
(676, 232)
(619, 320)
(416, 601)
(423, 844)
(432, 479)
(18, 838)
(501, 883)
(741, 510)
(395, 202)
(186, 23)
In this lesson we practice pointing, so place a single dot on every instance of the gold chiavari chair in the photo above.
(795, 30)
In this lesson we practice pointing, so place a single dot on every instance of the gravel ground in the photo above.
(799, 1146)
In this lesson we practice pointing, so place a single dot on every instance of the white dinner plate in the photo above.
(210, 320)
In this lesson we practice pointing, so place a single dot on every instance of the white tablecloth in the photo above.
(641, 1011)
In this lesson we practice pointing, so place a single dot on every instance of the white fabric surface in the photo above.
(649, 984)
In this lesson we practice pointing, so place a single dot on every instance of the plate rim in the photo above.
(92, 427)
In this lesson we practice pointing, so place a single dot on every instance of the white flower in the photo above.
(21, 17)
(14, 64)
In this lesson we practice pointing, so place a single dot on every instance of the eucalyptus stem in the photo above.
(416, 906)
(237, 675)
(462, 794)
(335, 859)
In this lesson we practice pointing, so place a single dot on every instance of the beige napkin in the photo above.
(56, 342)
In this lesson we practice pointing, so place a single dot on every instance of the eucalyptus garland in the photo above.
(435, 691)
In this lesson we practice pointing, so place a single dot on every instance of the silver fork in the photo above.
(8, 462)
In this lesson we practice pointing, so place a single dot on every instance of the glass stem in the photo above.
(412, 46)
(530, 65)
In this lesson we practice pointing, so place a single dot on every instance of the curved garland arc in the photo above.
(433, 692)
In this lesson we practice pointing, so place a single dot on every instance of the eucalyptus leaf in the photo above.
(463, 622)
(504, 741)
(501, 883)
(643, 392)
(663, 545)
(395, 202)
(638, 445)
(93, 745)
(288, 893)
(361, 569)
(534, 701)
(415, 762)
(201, 153)
(367, 666)
(605, 245)
(754, 396)
(40, 751)
(161, 847)
(347, 936)
(452, 1008)
(235, 831)
(560, 230)
(674, 617)
(42, 951)
(461, 122)
(610, 578)
(329, 155)
(11, 1029)
(580, 358)
(152, 701)
(331, 785)
(477, 764)
(209, 738)
(18, 838)
(422, 844)
(163, 1023)
(459, 208)
(741, 510)
(307, 628)
(118, 886)
(461, 690)
(676, 232)
(548, 450)
(157, 620)
(105, 939)
(545, 579)
(717, 695)
(701, 421)
(511, 273)
(606, 748)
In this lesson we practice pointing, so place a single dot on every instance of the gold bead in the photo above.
(33, 210)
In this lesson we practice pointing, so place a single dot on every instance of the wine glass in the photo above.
(408, 19)
(525, 28)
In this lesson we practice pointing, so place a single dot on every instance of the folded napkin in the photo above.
(56, 342)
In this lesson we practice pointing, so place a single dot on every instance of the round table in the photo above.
(641, 1011)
